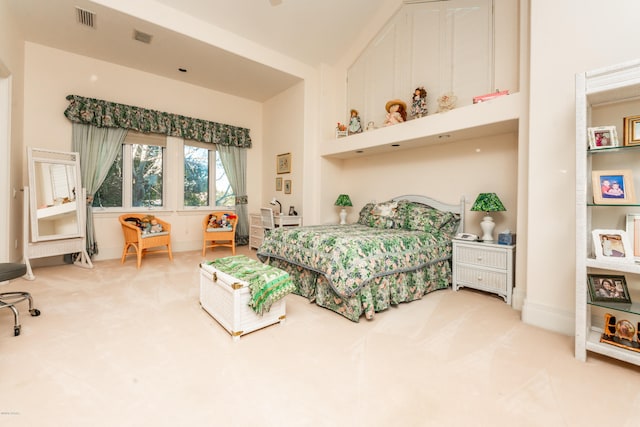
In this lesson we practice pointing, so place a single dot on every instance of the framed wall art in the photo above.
(608, 288)
(632, 130)
(279, 184)
(612, 246)
(613, 187)
(287, 186)
(633, 231)
(602, 137)
(283, 163)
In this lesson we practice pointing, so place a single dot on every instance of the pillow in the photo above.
(421, 217)
(365, 214)
(380, 215)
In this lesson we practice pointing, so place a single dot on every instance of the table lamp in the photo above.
(273, 202)
(343, 201)
(487, 202)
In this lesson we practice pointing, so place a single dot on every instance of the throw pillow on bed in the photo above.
(380, 215)
(425, 218)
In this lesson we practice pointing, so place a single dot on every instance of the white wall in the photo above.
(53, 74)
(577, 36)
(445, 172)
(11, 70)
(284, 133)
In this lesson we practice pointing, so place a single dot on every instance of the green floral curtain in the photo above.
(101, 113)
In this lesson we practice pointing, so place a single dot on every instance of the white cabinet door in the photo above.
(443, 46)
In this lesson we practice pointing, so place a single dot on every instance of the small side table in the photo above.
(487, 267)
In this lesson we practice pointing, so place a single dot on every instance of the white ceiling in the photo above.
(309, 31)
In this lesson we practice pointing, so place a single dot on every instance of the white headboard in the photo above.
(446, 207)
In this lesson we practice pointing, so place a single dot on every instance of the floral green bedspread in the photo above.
(350, 256)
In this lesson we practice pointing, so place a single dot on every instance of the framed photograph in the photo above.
(283, 163)
(287, 186)
(608, 288)
(278, 184)
(602, 137)
(633, 231)
(632, 130)
(613, 187)
(612, 246)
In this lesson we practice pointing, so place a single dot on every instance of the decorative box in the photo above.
(489, 96)
(227, 298)
(507, 238)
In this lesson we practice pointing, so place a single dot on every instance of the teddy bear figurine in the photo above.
(213, 222)
(155, 226)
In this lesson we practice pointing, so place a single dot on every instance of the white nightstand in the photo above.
(485, 266)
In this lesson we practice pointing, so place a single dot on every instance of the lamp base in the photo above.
(487, 226)
(343, 216)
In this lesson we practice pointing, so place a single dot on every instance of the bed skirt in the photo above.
(377, 295)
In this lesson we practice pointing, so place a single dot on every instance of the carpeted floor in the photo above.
(116, 346)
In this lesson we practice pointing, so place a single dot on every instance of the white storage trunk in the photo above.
(226, 299)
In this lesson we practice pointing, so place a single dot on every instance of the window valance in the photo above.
(101, 113)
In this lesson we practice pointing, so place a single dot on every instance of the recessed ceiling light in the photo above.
(395, 145)
(182, 70)
(359, 151)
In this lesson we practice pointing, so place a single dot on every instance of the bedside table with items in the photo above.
(487, 267)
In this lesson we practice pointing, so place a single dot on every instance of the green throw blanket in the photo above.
(267, 284)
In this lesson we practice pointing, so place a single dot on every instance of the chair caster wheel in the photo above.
(35, 312)
(16, 331)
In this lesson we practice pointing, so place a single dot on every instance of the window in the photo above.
(136, 177)
(201, 162)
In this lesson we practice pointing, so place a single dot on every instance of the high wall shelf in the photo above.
(494, 117)
(613, 92)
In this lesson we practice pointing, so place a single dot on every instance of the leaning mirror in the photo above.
(54, 185)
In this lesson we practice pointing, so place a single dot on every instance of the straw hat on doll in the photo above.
(396, 101)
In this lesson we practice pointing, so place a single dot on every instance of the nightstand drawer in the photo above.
(482, 279)
(484, 257)
(255, 220)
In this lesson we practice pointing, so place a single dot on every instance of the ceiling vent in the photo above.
(142, 37)
(86, 17)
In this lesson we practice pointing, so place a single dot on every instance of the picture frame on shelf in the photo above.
(602, 137)
(608, 288)
(613, 187)
(287, 186)
(612, 246)
(279, 183)
(283, 163)
(633, 231)
(632, 130)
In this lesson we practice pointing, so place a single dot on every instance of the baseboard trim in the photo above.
(549, 318)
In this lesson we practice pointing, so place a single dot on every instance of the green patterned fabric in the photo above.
(377, 295)
(101, 113)
(350, 256)
(419, 217)
(267, 284)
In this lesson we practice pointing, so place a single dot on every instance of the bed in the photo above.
(398, 251)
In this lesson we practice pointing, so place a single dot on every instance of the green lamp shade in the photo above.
(488, 202)
(343, 200)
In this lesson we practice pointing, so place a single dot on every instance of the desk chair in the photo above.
(10, 271)
(268, 223)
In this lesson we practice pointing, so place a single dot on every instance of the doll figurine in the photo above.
(396, 112)
(419, 102)
(355, 126)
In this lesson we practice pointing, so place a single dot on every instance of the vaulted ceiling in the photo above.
(310, 32)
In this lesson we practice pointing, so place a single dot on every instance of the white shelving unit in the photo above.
(495, 117)
(603, 97)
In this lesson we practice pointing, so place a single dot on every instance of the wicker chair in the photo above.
(142, 242)
(219, 237)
